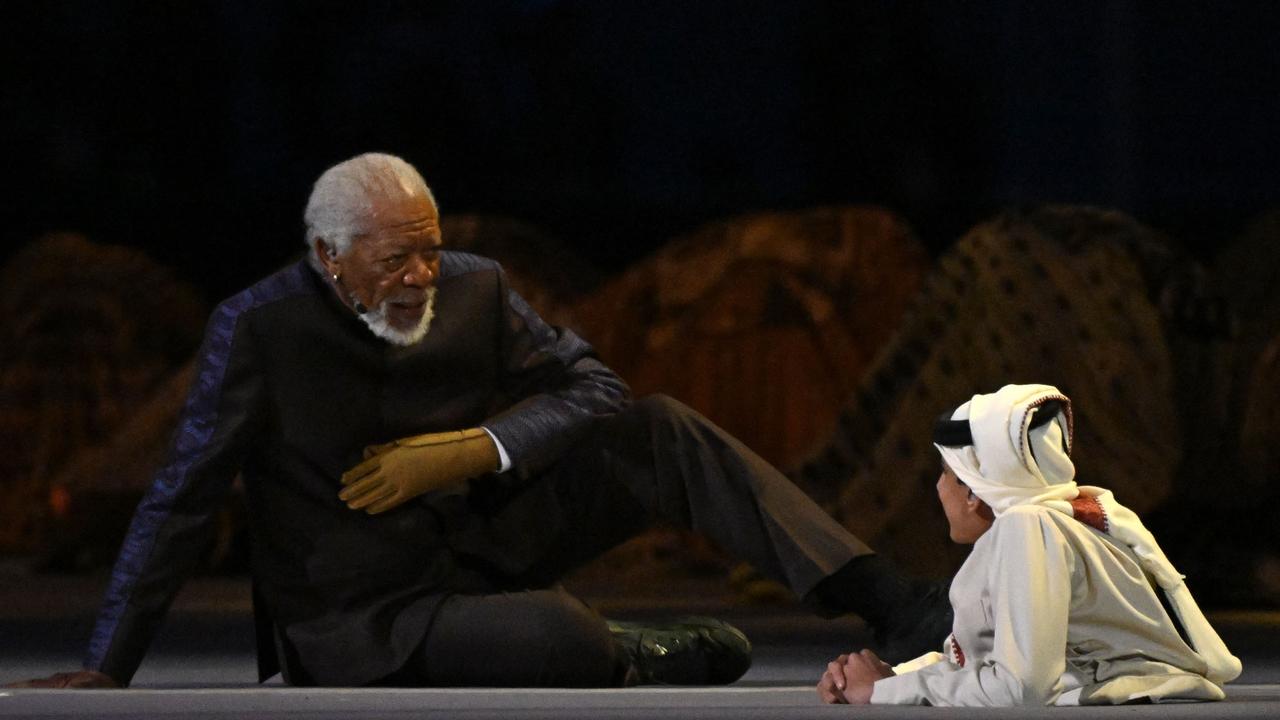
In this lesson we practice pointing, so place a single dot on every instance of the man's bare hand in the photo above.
(68, 680)
(831, 684)
(849, 679)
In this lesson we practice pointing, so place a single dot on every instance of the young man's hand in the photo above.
(849, 679)
(66, 680)
(832, 683)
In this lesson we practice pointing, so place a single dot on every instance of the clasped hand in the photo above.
(400, 470)
(849, 679)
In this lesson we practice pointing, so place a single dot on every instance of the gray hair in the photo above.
(341, 201)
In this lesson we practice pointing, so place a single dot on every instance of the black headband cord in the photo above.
(957, 433)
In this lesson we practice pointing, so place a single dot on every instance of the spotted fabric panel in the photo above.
(1090, 512)
(956, 652)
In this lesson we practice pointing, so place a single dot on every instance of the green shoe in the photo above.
(685, 651)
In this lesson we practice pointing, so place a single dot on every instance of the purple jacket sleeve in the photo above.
(558, 384)
(173, 524)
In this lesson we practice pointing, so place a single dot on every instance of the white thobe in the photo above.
(1049, 611)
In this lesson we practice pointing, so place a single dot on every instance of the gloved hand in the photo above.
(404, 469)
(67, 680)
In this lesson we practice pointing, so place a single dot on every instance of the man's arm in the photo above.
(1029, 576)
(172, 526)
(558, 383)
(849, 679)
(554, 385)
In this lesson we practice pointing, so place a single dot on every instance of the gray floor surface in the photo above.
(202, 666)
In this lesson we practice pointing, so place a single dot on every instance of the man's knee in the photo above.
(572, 642)
(539, 638)
(651, 416)
(654, 422)
(660, 407)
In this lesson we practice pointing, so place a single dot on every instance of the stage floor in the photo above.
(203, 666)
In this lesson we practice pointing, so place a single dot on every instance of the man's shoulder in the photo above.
(1025, 513)
(291, 281)
(1028, 519)
(454, 263)
(1019, 524)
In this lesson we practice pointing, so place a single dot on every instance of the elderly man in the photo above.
(423, 456)
(1066, 598)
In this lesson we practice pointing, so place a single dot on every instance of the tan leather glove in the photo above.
(404, 469)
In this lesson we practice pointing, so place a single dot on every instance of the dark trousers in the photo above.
(657, 460)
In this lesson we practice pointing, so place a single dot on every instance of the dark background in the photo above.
(194, 129)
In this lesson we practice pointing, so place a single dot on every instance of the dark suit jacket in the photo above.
(291, 387)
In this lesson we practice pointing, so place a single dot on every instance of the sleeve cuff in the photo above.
(896, 690)
(504, 460)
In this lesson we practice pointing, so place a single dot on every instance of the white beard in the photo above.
(376, 320)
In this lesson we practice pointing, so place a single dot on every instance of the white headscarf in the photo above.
(1010, 463)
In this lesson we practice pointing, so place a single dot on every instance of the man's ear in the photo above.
(327, 256)
(980, 508)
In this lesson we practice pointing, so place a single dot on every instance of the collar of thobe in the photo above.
(1018, 454)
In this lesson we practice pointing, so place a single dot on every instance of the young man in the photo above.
(1066, 598)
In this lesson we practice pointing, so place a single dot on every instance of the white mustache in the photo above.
(376, 320)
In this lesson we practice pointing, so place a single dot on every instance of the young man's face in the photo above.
(967, 515)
